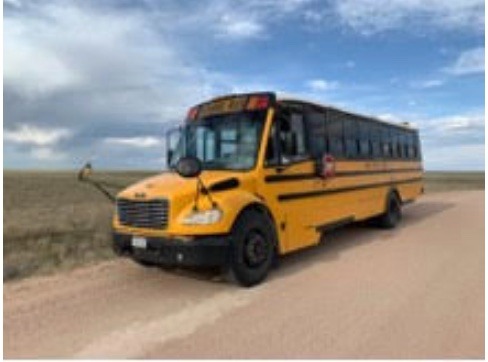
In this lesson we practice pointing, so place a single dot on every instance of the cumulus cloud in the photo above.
(459, 124)
(372, 16)
(454, 130)
(471, 61)
(232, 27)
(249, 19)
(32, 135)
(97, 73)
(140, 142)
(321, 85)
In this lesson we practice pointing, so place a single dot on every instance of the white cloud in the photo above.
(139, 142)
(95, 71)
(461, 123)
(33, 135)
(47, 154)
(427, 84)
(247, 19)
(471, 61)
(313, 16)
(373, 16)
(126, 67)
(31, 67)
(321, 85)
(233, 27)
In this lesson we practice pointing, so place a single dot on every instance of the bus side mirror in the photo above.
(189, 167)
(85, 172)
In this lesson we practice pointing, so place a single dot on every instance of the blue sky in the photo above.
(102, 80)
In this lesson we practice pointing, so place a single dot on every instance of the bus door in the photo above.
(289, 174)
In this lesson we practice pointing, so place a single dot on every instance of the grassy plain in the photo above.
(51, 221)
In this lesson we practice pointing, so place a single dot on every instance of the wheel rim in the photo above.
(395, 211)
(255, 249)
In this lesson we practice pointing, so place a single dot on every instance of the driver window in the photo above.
(292, 138)
(287, 138)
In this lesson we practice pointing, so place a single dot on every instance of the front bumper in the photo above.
(202, 251)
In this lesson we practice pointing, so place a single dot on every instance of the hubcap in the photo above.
(255, 249)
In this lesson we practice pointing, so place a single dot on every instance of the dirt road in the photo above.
(414, 292)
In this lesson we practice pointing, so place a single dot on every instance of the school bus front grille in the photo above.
(151, 214)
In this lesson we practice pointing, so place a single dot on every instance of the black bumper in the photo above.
(201, 251)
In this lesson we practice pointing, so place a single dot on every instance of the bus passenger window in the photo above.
(317, 134)
(335, 135)
(364, 140)
(385, 142)
(351, 138)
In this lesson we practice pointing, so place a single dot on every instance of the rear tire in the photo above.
(144, 263)
(253, 248)
(393, 213)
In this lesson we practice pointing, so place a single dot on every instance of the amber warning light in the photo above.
(229, 105)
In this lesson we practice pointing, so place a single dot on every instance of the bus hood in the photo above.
(172, 186)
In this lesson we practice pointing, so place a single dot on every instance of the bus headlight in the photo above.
(205, 217)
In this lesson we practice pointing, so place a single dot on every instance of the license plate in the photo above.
(138, 242)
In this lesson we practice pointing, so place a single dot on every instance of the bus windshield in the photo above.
(221, 142)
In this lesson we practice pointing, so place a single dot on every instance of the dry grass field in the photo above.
(52, 221)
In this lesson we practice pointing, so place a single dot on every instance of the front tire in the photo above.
(253, 248)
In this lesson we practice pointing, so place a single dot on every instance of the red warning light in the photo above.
(192, 113)
(257, 103)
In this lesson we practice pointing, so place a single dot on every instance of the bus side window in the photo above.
(376, 141)
(292, 137)
(316, 122)
(385, 142)
(394, 143)
(400, 144)
(351, 137)
(364, 140)
(335, 134)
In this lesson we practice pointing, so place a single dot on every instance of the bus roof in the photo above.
(293, 99)
(286, 97)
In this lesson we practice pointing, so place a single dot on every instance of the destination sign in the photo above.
(222, 106)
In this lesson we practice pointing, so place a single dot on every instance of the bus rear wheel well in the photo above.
(393, 192)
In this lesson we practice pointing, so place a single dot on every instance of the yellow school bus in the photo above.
(253, 176)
